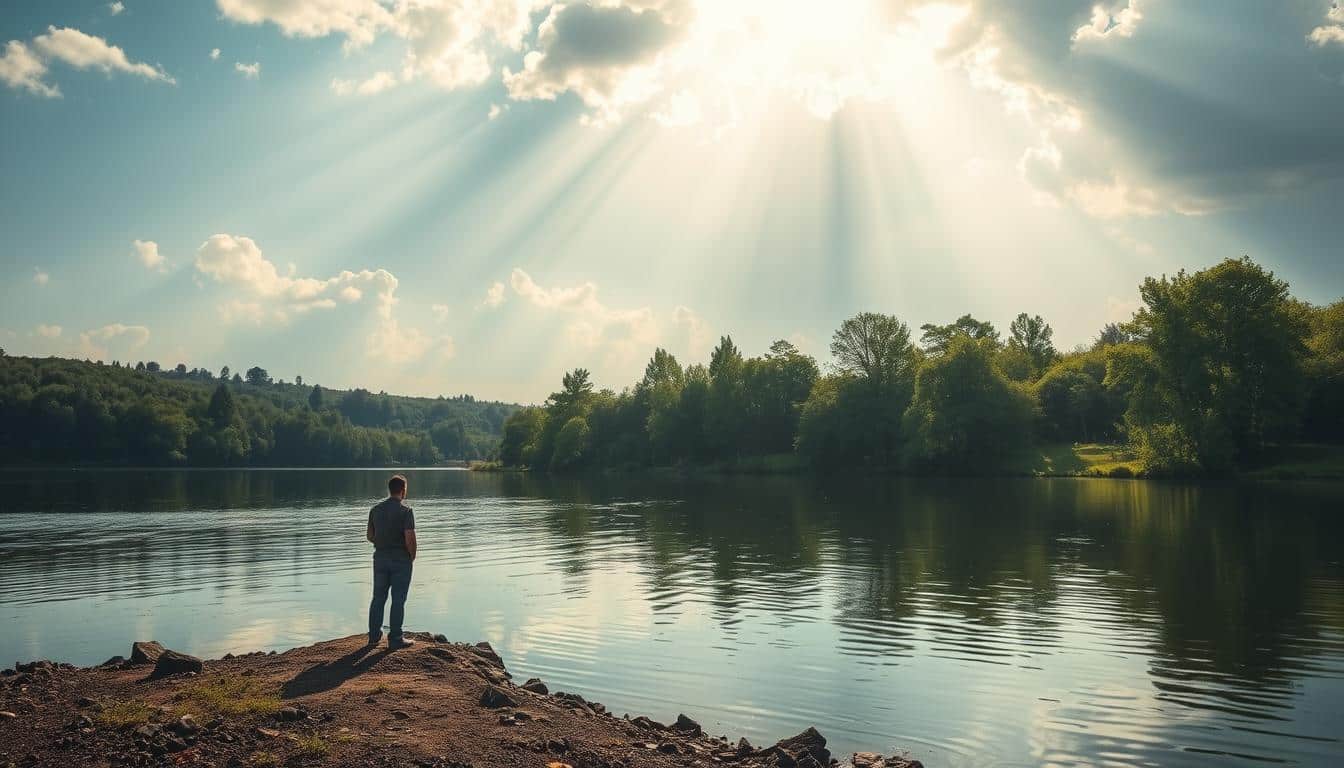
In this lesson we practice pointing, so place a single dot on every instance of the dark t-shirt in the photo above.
(391, 519)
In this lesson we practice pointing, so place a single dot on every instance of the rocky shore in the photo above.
(339, 703)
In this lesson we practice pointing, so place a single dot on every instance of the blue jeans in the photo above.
(388, 574)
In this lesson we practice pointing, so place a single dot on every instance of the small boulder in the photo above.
(291, 714)
(174, 663)
(647, 724)
(114, 661)
(186, 725)
(744, 747)
(686, 726)
(495, 698)
(866, 760)
(146, 651)
(536, 686)
(484, 650)
(810, 744)
(440, 638)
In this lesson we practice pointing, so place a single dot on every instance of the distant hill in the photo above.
(54, 410)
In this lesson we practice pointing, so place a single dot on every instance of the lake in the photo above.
(968, 622)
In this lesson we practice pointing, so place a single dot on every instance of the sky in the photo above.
(473, 196)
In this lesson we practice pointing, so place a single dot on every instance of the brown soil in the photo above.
(339, 703)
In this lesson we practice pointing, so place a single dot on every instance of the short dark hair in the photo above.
(396, 485)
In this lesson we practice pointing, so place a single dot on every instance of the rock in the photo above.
(291, 714)
(809, 743)
(174, 744)
(6, 715)
(484, 650)
(494, 698)
(400, 715)
(440, 638)
(536, 686)
(522, 716)
(84, 702)
(506, 719)
(146, 651)
(174, 663)
(902, 762)
(866, 760)
(687, 726)
(267, 732)
(147, 732)
(114, 661)
(744, 747)
(668, 748)
(648, 725)
(440, 653)
(186, 725)
(560, 746)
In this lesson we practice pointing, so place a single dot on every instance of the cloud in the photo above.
(20, 68)
(48, 331)
(357, 20)
(40, 277)
(83, 51)
(268, 297)
(1332, 32)
(148, 253)
(1113, 21)
(494, 112)
(377, 83)
(695, 334)
(214, 54)
(250, 71)
(115, 8)
(440, 312)
(95, 343)
(591, 323)
(603, 54)
(494, 295)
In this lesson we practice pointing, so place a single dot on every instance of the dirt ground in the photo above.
(340, 703)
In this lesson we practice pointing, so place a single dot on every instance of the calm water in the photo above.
(994, 622)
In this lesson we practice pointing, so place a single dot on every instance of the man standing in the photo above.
(392, 531)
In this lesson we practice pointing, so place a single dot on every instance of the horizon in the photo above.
(476, 198)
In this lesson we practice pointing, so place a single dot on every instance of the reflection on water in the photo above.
(971, 622)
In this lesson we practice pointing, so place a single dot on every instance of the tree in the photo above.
(725, 404)
(181, 370)
(152, 367)
(1219, 374)
(521, 431)
(1112, 334)
(257, 376)
(1323, 417)
(965, 415)
(315, 398)
(224, 373)
(571, 443)
(298, 381)
(876, 347)
(222, 409)
(937, 338)
(237, 379)
(1033, 336)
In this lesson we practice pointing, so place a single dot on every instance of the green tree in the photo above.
(876, 347)
(1323, 417)
(937, 338)
(965, 414)
(258, 377)
(315, 399)
(1034, 337)
(1219, 374)
(222, 409)
(522, 430)
(725, 406)
(571, 443)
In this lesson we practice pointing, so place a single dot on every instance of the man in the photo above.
(392, 532)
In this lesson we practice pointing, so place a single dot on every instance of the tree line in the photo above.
(54, 410)
(1214, 369)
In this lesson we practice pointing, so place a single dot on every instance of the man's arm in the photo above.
(368, 532)
(408, 530)
(410, 542)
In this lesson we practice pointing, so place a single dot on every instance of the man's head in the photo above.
(396, 487)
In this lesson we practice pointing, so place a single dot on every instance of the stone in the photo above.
(291, 714)
(440, 638)
(647, 724)
(440, 653)
(902, 762)
(668, 748)
(495, 698)
(810, 743)
(174, 744)
(484, 650)
(267, 732)
(744, 747)
(174, 663)
(400, 715)
(506, 719)
(146, 651)
(114, 661)
(686, 726)
(536, 686)
(866, 760)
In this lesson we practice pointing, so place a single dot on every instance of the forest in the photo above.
(58, 411)
(1216, 371)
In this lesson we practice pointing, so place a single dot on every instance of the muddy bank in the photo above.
(339, 703)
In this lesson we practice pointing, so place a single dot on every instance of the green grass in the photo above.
(1074, 460)
(120, 714)
(262, 760)
(312, 746)
(228, 695)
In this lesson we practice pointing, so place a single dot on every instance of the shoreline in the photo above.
(341, 703)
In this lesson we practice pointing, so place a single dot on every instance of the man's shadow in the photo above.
(328, 675)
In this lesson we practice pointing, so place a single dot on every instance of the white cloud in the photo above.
(1332, 32)
(494, 112)
(696, 337)
(40, 277)
(270, 297)
(95, 343)
(83, 51)
(115, 8)
(494, 295)
(376, 83)
(21, 68)
(358, 20)
(148, 253)
(250, 71)
(1106, 21)
(591, 322)
(214, 54)
(48, 331)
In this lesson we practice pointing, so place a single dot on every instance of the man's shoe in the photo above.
(375, 639)
(400, 642)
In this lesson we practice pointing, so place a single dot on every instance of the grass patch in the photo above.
(312, 746)
(228, 695)
(120, 714)
(1075, 460)
(1302, 461)
(263, 760)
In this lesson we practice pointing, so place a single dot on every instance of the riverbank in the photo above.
(340, 703)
